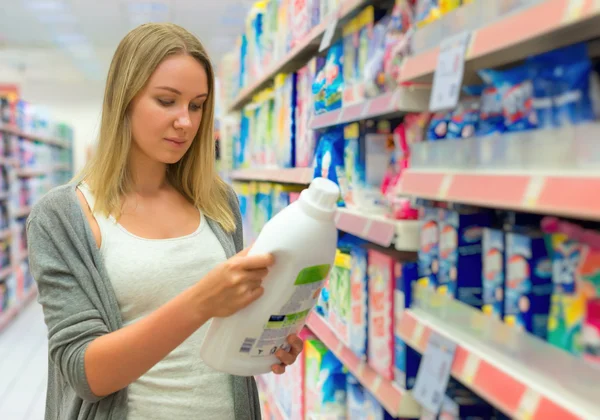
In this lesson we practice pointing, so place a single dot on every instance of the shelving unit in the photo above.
(402, 234)
(547, 25)
(387, 105)
(395, 400)
(547, 171)
(299, 55)
(15, 276)
(35, 137)
(570, 196)
(274, 405)
(522, 375)
(301, 176)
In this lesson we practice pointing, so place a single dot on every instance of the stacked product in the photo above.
(540, 281)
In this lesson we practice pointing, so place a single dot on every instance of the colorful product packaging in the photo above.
(591, 332)
(493, 272)
(406, 359)
(528, 283)
(325, 385)
(381, 314)
(305, 137)
(460, 255)
(284, 106)
(568, 304)
(429, 247)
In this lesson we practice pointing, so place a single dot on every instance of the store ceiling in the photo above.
(73, 40)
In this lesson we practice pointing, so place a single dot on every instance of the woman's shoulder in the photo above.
(58, 201)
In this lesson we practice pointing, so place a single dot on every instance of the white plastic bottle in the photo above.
(303, 240)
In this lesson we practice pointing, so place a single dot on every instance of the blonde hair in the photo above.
(194, 176)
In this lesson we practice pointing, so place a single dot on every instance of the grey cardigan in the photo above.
(80, 305)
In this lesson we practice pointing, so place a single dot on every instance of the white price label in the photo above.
(330, 30)
(449, 72)
(434, 373)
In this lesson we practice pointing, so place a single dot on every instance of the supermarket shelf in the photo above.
(298, 56)
(23, 212)
(395, 103)
(548, 25)
(395, 400)
(4, 195)
(274, 405)
(560, 195)
(403, 234)
(7, 317)
(33, 172)
(286, 176)
(62, 167)
(35, 137)
(520, 374)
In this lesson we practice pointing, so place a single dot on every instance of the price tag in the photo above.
(330, 30)
(434, 373)
(449, 72)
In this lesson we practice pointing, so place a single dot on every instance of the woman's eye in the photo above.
(165, 102)
(194, 107)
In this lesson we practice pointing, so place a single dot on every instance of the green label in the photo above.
(312, 274)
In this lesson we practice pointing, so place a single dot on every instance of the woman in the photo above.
(135, 256)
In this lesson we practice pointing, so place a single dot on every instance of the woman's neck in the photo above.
(149, 177)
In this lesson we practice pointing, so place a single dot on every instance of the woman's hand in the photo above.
(288, 357)
(234, 284)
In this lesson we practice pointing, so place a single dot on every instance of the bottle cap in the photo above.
(323, 194)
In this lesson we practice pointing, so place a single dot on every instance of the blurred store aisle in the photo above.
(23, 363)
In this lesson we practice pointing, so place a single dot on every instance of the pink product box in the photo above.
(381, 314)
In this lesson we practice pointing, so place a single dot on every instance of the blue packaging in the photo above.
(464, 122)
(460, 255)
(564, 75)
(332, 378)
(329, 156)
(528, 283)
(517, 96)
(318, 87)
(438, 126)
(406, 359)
(361, 404)
(429, 246)
(334, 77)
(493, 272)
(491, 117)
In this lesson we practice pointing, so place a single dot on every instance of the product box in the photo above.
(381, 315)
(347, 288)
(429, 246)
(459, 407)
(568, 302)
(314, 351)
(288, 388)
(264, 205)
(325, 382)
(285, 119)
(406, 359)
(460, 255)
(493, 272)
(361, 403)
(528, 283)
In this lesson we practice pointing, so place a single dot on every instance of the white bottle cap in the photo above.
(322, 194)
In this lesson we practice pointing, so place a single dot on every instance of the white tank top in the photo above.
(145, 274)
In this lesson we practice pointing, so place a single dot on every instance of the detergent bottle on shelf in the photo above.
(303, 240)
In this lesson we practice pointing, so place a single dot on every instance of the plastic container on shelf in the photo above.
(303, 240)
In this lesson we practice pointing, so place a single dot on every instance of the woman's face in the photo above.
(166, 114)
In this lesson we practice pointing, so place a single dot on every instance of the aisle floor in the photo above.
(23, 366)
